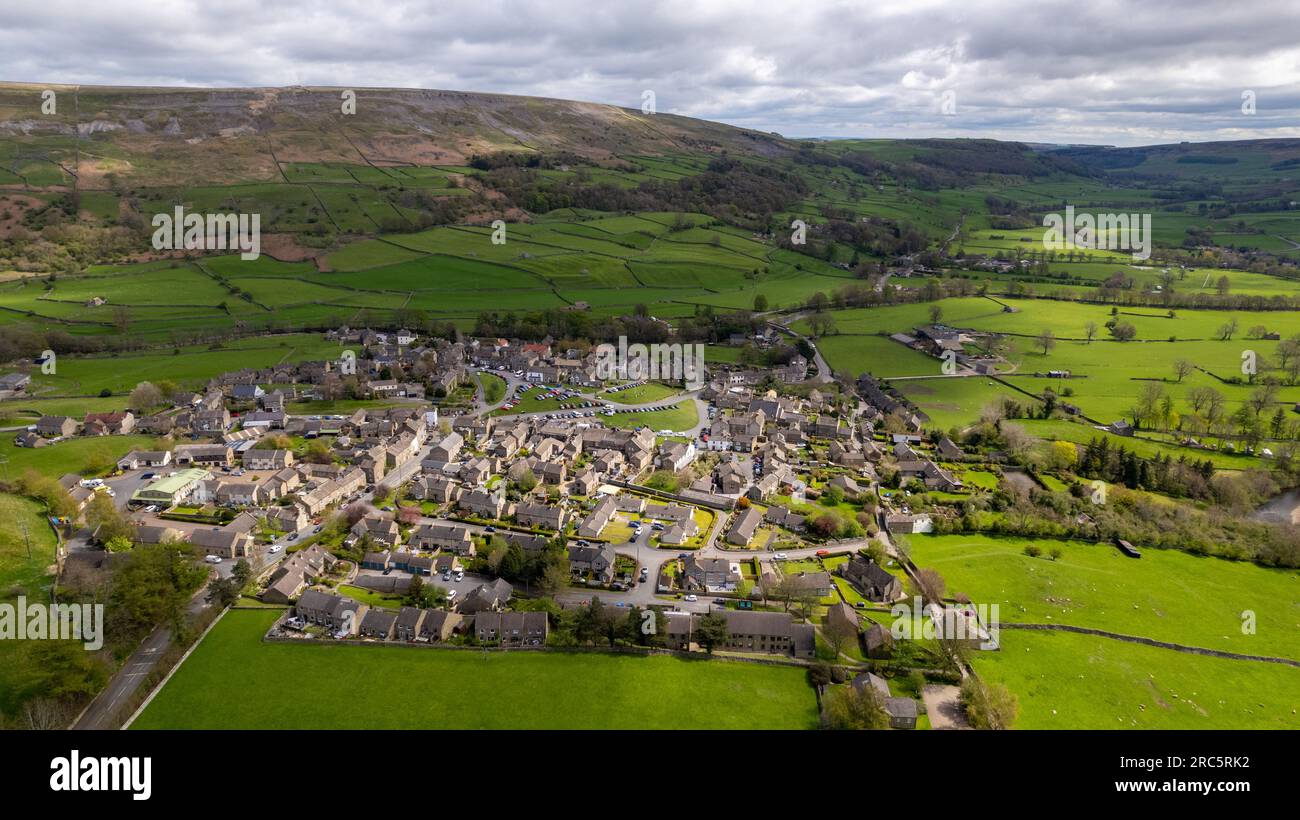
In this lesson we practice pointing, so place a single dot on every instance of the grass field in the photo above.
(1067, 681)
(87, 456)
(306, 686)
(1167, 595)
(1075, 681)
(20, 573)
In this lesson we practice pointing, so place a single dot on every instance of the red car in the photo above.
(823, 553)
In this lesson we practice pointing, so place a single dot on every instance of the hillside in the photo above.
(168, 137)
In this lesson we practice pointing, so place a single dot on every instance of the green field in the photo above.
(1068, 681)
(1166, 595)
(372, 687)
(19, 572)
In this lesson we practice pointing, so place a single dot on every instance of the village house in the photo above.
(871, 580)
(487, 597)
(381, 530)
(108, 424)
(222, 541)
(267, 459)
(511, 628)
(334, 612)
(546, 516)
(436, 536)
(743, 526)
(712, 574)
(597, 559)
(598, 518)
(439, 625)
(378, 624)
(56, 426)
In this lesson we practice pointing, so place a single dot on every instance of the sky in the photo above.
(1117, 73)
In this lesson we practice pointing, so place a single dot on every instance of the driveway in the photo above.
(943, 705)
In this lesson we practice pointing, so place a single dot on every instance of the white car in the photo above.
(213, 559)
(780, 556)
(691, 598)
(451, 595)
(275, 548)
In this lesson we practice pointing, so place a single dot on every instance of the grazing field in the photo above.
(1068, 681)
(83, 455)
(19, 572)
(1166, 595)
(372, 687)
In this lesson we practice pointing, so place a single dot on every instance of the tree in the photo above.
(760, 303)
(839, 633)
(1227, 329)
(929, 584)
(1064, 455)
(1182, 367)
(988, 705)
(1090, 331)
(853, 707)
(1047, 341)
(936, 314)
(145, 396)
(110, 524)
(1123, 331)
(711, 631)
(554, 578)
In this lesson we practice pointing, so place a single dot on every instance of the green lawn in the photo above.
(680, 417)
(372, 687)
(494, 387)
(648, 392)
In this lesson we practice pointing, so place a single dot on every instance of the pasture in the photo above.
(1166, 595)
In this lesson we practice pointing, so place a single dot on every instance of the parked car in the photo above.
(213, 559)
(275, 548)
(692, 598)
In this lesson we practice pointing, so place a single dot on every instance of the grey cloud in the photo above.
(1114, 72)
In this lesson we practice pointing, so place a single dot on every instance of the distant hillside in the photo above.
(164, 136)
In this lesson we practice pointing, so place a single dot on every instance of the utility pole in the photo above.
(26, 537)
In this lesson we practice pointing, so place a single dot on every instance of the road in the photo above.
(824, 373)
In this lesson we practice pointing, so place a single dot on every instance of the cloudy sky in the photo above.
(1124, 73)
